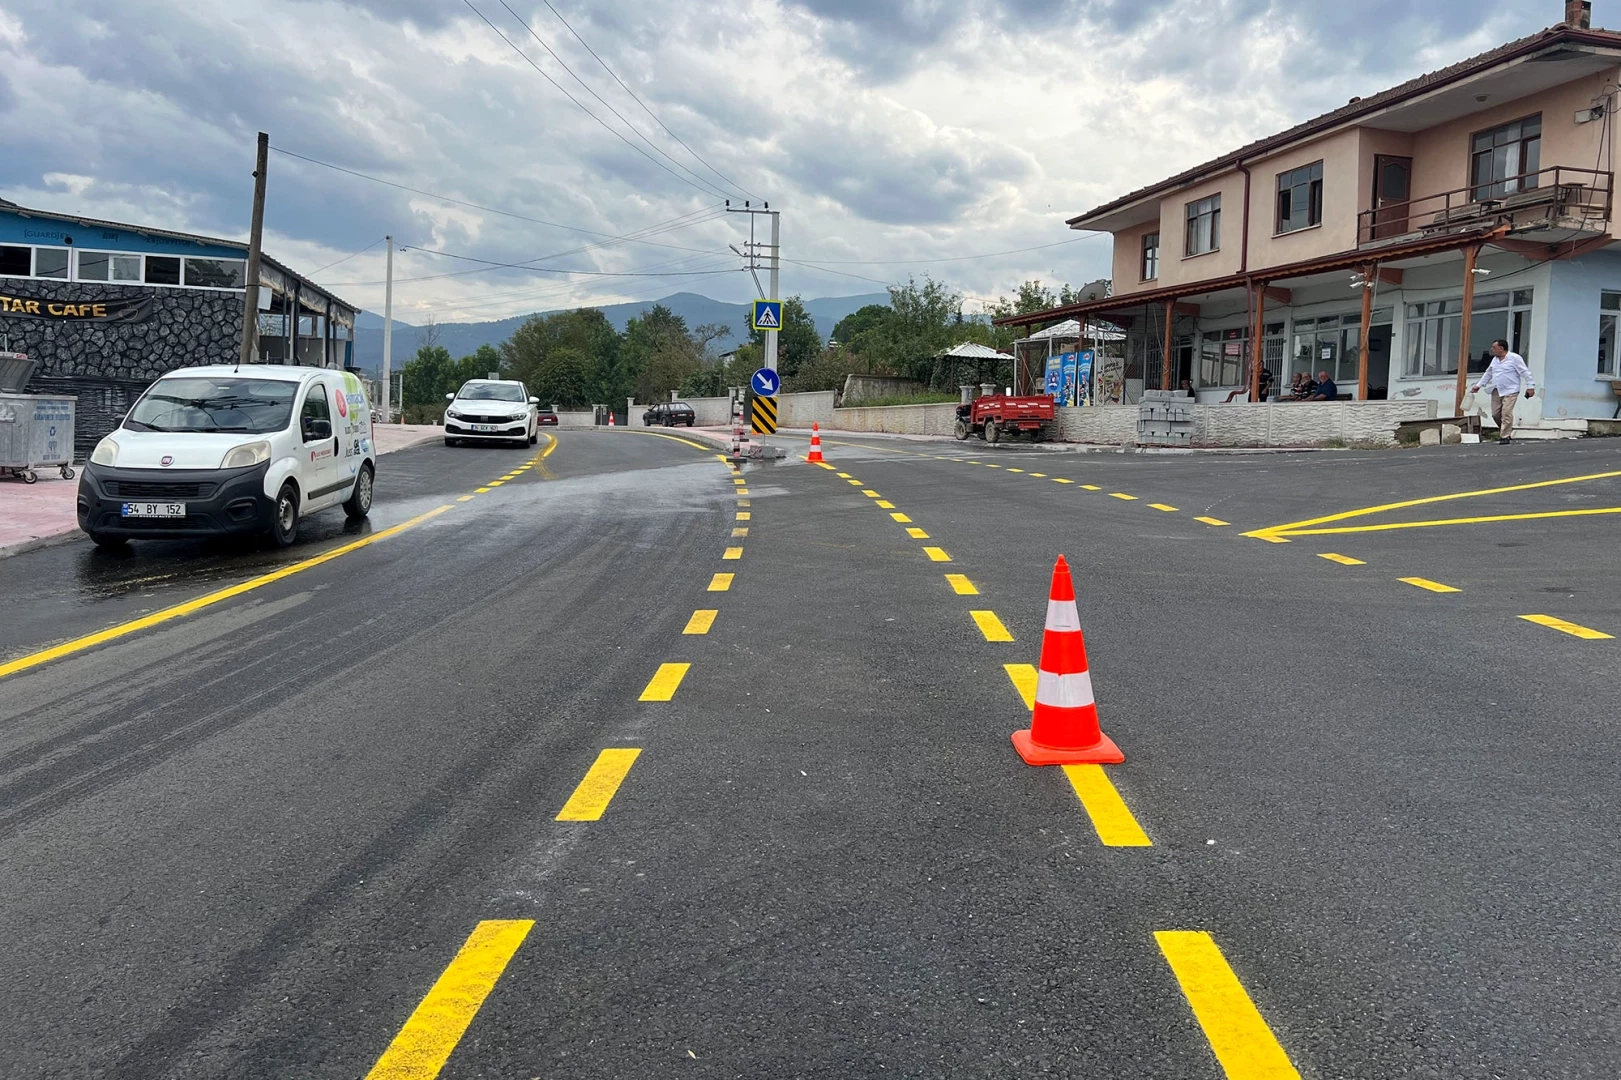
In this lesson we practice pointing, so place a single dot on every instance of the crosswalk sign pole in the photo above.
(776, 268)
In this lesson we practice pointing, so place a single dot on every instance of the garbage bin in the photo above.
(36, 430)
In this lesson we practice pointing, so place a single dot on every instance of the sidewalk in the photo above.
(39, 515)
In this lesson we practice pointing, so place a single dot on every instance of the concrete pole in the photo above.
(1369, 273)
(388, 330)
(1470, 255)
(250, 294)
(776, 269)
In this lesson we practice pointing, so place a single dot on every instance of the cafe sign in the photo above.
(113, 311)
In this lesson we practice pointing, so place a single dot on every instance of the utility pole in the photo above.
(776, 270)
(250, 294)
(388, 333)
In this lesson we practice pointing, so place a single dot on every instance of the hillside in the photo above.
(466, 337)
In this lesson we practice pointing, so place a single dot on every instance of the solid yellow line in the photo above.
(885, 504)
(740, 531)
(1212, 521)
(1164, 507)
(743, 515)
(1343, 560)
(990, 626)
(1110, 816)
(1061, 480)
(660, 435)
(551, 445)
(701, 621)
(936, 554)
(1295, 525)
(902, 518)
(112, 633)
(720, 582)
(1426, 583)
(591, 798)
(732, 553)
(663, 684)
(961, 585)
(917, 534)
(419, 1051)
(1391, 526)
(1243, 1043)
(1023, 677)
(1122, 495)
(1568, 627)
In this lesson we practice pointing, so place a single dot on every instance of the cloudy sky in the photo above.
(897, 136)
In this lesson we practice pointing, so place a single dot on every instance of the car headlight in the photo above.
(252, 453)
(105, 453)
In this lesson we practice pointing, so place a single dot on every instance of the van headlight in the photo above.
(105, 453)
(252, 453)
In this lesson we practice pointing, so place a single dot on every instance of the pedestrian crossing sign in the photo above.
(767, 315)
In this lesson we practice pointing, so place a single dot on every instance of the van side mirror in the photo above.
(534, 401)
(317, 430)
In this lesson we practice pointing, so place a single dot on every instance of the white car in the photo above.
(232, 449)
(492, 410)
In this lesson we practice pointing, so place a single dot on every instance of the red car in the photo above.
(547, 417)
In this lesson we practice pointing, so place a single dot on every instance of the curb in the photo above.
(55, 539)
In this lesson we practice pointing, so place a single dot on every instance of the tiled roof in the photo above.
(1362, 106)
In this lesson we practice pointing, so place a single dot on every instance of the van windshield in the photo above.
(217, 404)
(488, 391)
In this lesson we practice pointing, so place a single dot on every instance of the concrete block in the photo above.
(1451, 434)
(1429, 437)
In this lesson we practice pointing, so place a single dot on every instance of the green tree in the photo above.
(427, 376)
(850, 328)
(570, 359)
(659, 353)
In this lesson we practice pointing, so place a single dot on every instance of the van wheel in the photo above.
(358, 505)
(284, 526)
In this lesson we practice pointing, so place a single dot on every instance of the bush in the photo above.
(424, 414)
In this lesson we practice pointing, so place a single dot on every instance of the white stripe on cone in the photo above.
(1064, 691)
(1061, 615)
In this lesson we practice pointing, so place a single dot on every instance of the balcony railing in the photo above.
(1557, 195)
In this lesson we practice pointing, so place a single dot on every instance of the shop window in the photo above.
(1204, 226)
(1300, 198)
(162, 270)
(102, 266)
(1151, 256)
(1609, 315)
(1222, 358)
(216, 273)
(1435, 331)
(51, 263)
(16, 261)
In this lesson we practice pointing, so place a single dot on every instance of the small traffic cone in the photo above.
(816, 443)
(1064, 727)
(610, 419)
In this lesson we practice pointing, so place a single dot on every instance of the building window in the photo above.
(103, 266)
(163, 270)
(16, 261)
(1609, 314)
(1435, 331)
(1222, 358)
(1151, 256)
(1300, 198)
(216, 273)
(51, 263)
(1502, 160)
(1204, 226)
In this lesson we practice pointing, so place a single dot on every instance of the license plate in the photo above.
(154, 509)
(486, 427)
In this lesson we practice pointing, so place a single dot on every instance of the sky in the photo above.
(896, 139)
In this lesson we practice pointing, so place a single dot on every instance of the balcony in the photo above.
(1557, 197)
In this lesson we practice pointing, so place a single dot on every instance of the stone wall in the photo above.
(1112, 425)
(899, 419)
(859, 388)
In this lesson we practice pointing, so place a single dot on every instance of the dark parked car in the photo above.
(547, 417)
(670, 414)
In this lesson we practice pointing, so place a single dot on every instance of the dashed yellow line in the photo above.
(1343, 560)
(1426, 583)
(743, 515)
(885, 504)
(1016, 470)
(961, 585)
(1061, 480)
(990, 626)
(1243, 1043)
(1122, 495)
(1212, 521)
(1090, 487)
(701, 621)
(1163, 506)
(1570, 628)
(1111, 817)
(721, 582)
(871, 494)
(740, 491)
(591, 798)
(464, 498)
(740, 531)
(844, 476)
(854, 483)
(732, 553)
(1023, 677)
(936, 554)
(902, 518)
(917, 534)
(664, 683)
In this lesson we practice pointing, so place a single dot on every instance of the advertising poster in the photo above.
(1083, 376)
(1054, 375)
(1067, 387)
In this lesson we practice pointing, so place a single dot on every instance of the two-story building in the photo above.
(1390, 241)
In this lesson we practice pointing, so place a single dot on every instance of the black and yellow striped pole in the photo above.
(763, 415)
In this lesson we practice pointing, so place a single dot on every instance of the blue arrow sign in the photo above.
(765, 382)
(767, 315)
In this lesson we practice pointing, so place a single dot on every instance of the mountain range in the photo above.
(462, 338)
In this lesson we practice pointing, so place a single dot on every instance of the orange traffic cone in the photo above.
(610, 419)
(1064, 728)
(816, 442)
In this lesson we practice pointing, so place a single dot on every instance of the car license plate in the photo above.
(486, 427)
(154, 509)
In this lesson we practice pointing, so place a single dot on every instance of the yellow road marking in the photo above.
(1110, 816)
(917, 534)
(988, 465)
(1122, 495)
(1243, 1043)
(701, 621)
(732, 553)
(421, 1048)
(721, 582)
(663, 684)
(739, 481)
(465, 498)
(480, 491)
(1015, 470)
(1568, 627)
(871, 494)
(1091, 487)
(1212, 521)
(744, 502)
(1426, 583)
(741, 530)
(1343, 560)
(496, 483)
(509, 476)
(885, 504)
(1038, 476)
(1164, 507)
(740, 491)
(936, 554)
(1061, 480)
(902, 518)
(1269, 538)
(661, 435)
(990, 626)
(1391, 526)
(112, 633)
(601, 782)
(824, 465)
(961, 585)
(1294, 526)
(1023, 677)
(844, 476)
(743, 515)
(854, 483)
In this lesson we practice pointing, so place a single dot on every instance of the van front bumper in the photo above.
(219, 502)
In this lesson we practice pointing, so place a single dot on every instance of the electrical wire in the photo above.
(644, 104)
(346, 258)
(707, 189)
(960, 258)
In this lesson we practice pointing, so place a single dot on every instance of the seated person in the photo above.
(1301, 386)
(1187, 388)
(1266, 384)
(1325, 389)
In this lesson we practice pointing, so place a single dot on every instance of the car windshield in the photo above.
(490, 391)
(214, 404)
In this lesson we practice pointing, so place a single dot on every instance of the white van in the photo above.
(212, 451)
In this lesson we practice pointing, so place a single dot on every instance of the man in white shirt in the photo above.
(1506, 376)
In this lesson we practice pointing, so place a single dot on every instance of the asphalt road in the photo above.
(311, 829)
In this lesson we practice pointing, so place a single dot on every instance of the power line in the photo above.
(959, 258)
(643, 104)
(530, 296)
(346, 258)
(707, 189)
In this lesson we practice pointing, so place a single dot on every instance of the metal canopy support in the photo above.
(1470, 255)
(1165, 360)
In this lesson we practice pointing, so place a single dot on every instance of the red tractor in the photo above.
(992, 417)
